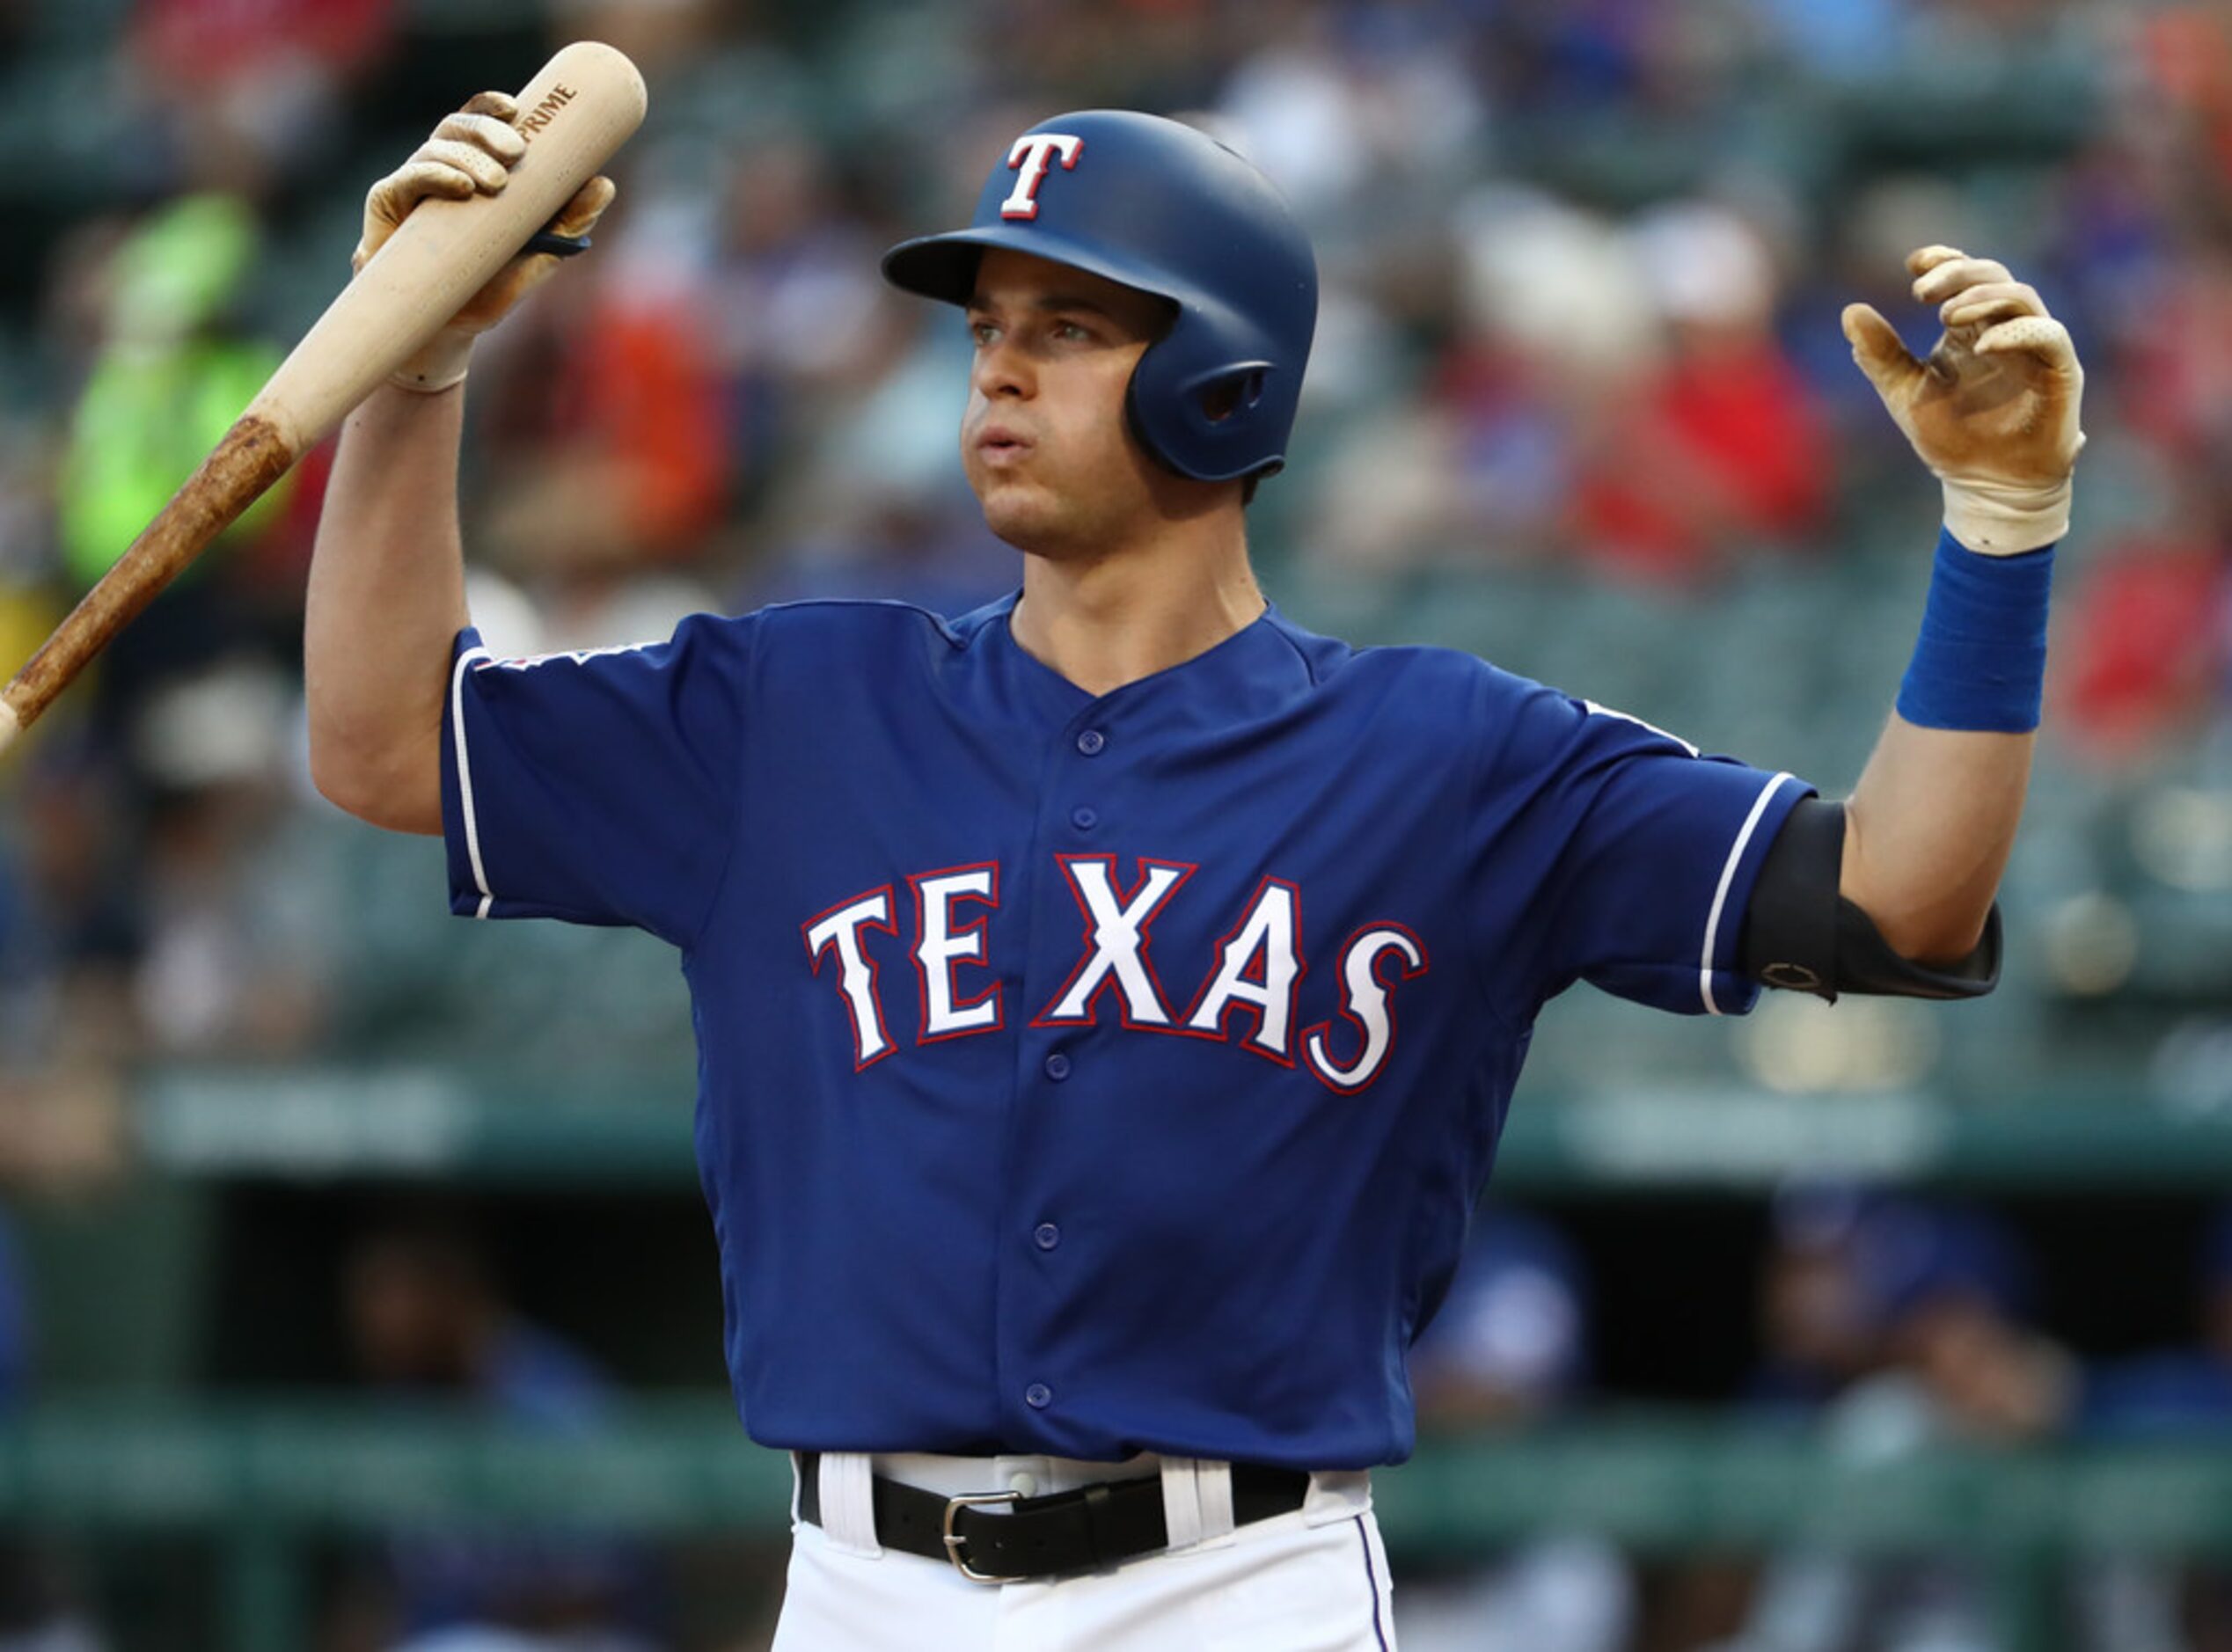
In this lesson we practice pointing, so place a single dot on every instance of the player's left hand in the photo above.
(1992, 412)
(471, 152)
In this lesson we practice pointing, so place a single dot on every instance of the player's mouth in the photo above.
(997, 445)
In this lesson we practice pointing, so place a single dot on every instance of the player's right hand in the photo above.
(471, 152)
(1994, 409)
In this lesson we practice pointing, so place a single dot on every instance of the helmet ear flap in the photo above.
(1230, 393)
(1214, 413)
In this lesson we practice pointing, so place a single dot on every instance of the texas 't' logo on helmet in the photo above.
(1030, 160)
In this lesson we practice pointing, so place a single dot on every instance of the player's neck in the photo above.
(1106, 621)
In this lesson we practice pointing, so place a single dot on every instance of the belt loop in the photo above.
(1181, 1501)
(848, 1503)
(1336, 1495)
(1196, 1501)
(1217, 1502)
(1096, 1524)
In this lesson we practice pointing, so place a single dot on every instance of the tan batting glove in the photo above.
(1993, 410)
(471, 152)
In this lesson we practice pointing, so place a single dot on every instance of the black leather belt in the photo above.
(997, 1536)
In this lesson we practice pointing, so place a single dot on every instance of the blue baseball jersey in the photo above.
(1087, 1075)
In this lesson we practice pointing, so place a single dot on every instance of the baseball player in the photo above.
(1109, 1000)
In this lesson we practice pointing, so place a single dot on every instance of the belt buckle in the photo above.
(954, 1543)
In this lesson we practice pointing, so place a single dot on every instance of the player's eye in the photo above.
(983, 332)
(1073, 332)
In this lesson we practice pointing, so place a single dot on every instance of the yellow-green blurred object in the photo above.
(178, 271)
(166, 388)
(27, 620)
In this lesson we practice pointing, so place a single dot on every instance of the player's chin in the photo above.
(1029, 517)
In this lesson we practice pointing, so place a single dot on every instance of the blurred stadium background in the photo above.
(354, 1282)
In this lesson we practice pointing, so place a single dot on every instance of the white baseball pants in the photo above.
(1312, 1581)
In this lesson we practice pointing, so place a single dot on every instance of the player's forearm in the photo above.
(1927, 832)
(386, 598)
(1993, 413)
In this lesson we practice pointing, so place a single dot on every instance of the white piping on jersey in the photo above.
(464, 775)
(1720, 895)
(579, 656)
(1595, 709)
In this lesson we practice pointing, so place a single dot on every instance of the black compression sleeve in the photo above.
(1790, 937)
(1801, 934)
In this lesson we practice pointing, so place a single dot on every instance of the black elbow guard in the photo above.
(1801, 934)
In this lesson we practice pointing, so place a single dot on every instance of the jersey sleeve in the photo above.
(597, 786)
(1648, 853)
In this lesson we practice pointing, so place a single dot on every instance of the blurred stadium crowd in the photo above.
(1580, 402)
(1891, 1326)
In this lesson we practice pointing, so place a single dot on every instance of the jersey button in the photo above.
(1058, 1066)
(1046, 1236)
(1038, 1396)
(1084, 819)
(1091, 742)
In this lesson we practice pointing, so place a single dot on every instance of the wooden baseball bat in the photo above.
(578, 109)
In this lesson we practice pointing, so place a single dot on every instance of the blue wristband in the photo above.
(1981, 662)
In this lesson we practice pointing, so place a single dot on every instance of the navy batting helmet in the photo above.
(1168, 210)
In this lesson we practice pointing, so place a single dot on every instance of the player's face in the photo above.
(1044, 441)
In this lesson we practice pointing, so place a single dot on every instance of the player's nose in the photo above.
(1004, 368)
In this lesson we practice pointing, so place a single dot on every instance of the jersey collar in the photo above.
(1258, 667)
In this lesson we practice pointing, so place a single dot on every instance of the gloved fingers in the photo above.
(1891, 367)
(581, 214)
(1923, 259)
(1993, 301)
(484, 132)
(471, 152)
(394, 195)
(1942, 279)
(501, 105)
(483, 171)
(2037, 335)
(520, 277)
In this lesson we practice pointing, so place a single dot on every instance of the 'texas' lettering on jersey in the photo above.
(1247, 994)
